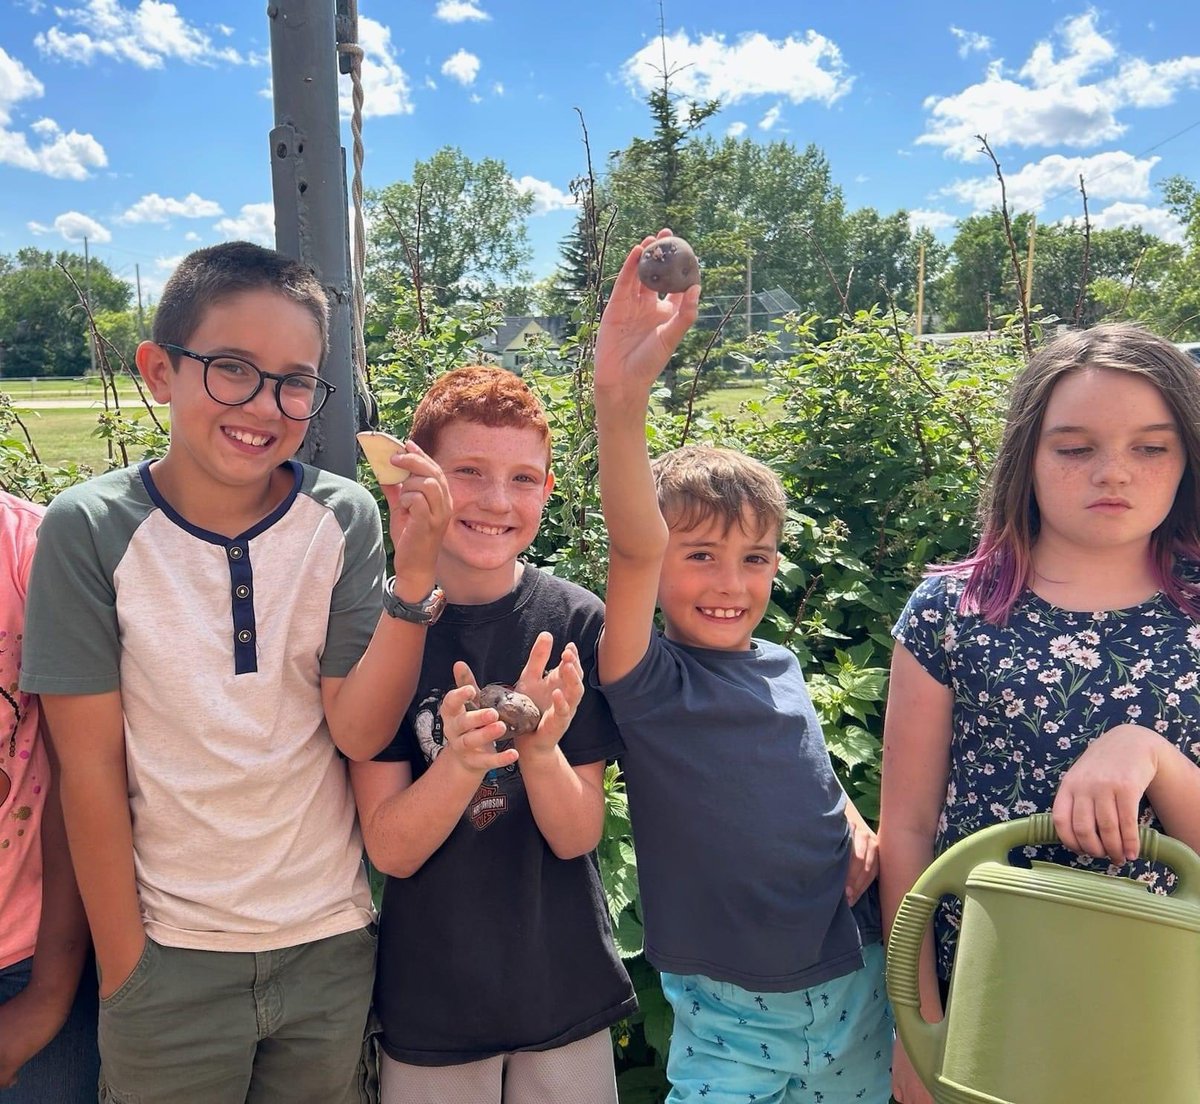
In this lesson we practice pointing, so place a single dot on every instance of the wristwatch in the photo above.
(425, 612)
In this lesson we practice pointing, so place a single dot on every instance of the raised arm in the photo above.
(88, 735)
(638, 333)
(365, 708)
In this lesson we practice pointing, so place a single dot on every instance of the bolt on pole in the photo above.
(308, 180)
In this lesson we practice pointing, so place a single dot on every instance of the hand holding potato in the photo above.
(556, 693)
(638, 330)
(470, 735)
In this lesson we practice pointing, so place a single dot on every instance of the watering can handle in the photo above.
(947, 875)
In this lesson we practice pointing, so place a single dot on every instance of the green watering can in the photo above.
(1069, 987)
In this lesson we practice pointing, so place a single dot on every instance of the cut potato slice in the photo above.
(379, 448)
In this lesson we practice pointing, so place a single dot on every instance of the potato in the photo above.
(519, 713)
(379, 448)
(669, 265)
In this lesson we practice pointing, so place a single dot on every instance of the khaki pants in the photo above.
(231, 1027)
(578, 1073)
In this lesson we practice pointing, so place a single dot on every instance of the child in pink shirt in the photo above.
(47, 1019)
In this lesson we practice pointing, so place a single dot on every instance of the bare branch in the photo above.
(1087, 253)
(1026, 328)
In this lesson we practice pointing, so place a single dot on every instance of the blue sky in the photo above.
(144, 124)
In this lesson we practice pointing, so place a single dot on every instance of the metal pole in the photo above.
(308, 178)
(137, 269)
(1029, 261)
(87, 302)
(920, 319)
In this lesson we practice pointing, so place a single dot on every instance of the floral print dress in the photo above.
(1029, 697)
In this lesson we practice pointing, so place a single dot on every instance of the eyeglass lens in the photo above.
(234, 382)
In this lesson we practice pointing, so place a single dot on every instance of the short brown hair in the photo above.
(208, 276)
(483, 394)
(697, 482)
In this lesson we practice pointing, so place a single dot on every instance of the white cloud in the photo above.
(1067, 94)
(254, 222)
(74, 227)
(459, 11)
(1154, 220)
(546, 197)
(462, 66)
(148, 36)
(933, 220)
(67, 155)
(191, 236)
(161, 209)
(498, 89)
(861, 178)
(385, 84)
(475, 97)
(970, 41)
(808, 68)
(1109, 175)
(770, 118)
(736, 130)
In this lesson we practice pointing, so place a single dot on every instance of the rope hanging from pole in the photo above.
(350, 61)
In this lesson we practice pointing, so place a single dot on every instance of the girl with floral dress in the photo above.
(1056, 668)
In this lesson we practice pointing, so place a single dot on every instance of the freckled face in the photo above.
(1108, 463)
(498, 483)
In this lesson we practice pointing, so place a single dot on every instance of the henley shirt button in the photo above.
(235, 553)
(245, 636)
(243, 591)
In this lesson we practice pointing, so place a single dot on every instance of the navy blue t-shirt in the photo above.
(739, 820)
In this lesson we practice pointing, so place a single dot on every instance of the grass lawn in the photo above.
(24, 390)
(63, 435)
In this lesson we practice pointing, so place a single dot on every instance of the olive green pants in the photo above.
(231, 1027)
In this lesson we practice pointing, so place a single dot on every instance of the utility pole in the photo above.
(920, 319)
(308, 178)
(87, 302)
(1029, 262)
(749, 288)
(137, 270)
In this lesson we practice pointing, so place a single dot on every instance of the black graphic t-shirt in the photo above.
(495, 944)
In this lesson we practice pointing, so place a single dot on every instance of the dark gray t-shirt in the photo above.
(739, 821)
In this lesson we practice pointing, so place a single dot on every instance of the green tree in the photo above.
(980, 286)
(42, 323)
(882, 255)
(1164, 289)
(459, 223)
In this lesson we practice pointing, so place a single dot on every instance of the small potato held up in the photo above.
(379, 448)
(669, 265)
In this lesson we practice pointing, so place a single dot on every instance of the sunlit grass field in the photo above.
(62, 435)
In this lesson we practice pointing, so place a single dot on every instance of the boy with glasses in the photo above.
(207, 633)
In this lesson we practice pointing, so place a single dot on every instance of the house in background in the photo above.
(508, 345)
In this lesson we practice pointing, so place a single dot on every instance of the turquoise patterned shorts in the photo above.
(831, 1044)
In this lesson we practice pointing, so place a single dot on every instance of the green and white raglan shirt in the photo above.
(244, 830)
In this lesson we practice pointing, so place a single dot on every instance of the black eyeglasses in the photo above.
(232, 381)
